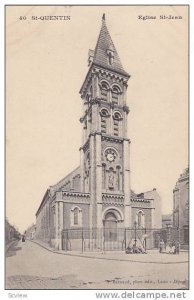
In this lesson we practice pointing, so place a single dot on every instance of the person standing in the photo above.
(161, 246)
(177, 247)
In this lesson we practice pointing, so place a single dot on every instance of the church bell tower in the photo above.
(105, 168)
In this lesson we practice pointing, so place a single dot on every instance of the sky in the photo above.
(46, 63)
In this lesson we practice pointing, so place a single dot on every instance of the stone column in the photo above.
(127, 184)
(59, 221)
(152, 214)
(110, 122)
(124, 127)
(60, 224)
(88, 127)
(98, 205)
(97, 86)
(82, 169)
(124, 98)
(98, 118)
(94, 85)
(95, 110)
(95, 117)
(92, 180)
(98, 180)
(82, 121)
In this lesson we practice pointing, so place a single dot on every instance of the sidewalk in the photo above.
(7, 246)
(153, 256)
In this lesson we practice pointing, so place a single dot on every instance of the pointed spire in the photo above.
(105, 54)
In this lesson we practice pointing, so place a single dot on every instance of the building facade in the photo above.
(97, 194)
(167, 221)
(30, 232)
(181, 207)
(11, 233)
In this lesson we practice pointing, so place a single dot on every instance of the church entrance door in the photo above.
(110, 227)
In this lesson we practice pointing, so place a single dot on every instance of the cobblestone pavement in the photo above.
(29, 266)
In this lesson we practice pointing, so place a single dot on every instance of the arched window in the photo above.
(111, 179)
(104, 91)
(140, 219)
(110, 216)
(110, 226)
(75, 215)
(115, 94)
(104, 115)
(116, 119)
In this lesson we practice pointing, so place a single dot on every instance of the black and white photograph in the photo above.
(97, 141)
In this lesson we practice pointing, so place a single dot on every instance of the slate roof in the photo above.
(100, 53)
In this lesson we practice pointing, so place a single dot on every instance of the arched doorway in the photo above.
(110, 226)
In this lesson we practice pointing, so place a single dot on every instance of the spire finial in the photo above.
(103, 17)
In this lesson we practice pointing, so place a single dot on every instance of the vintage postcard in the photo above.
(97, 169)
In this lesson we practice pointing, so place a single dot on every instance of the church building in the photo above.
(97, 194)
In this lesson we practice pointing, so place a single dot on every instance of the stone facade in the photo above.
(98, 193)
(181, 207)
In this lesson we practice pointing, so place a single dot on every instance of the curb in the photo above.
(43, 246)
(106, 258)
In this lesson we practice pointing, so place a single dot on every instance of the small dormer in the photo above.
(110, 55)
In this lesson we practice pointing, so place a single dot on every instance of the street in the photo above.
(30, 266)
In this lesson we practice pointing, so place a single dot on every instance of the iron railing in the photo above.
(117, 239)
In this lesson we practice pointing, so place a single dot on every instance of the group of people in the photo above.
(172, 247)
(135, 249)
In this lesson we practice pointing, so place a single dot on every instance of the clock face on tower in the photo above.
(110, 155)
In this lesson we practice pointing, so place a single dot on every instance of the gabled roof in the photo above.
(104, 44)
(60, 184)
